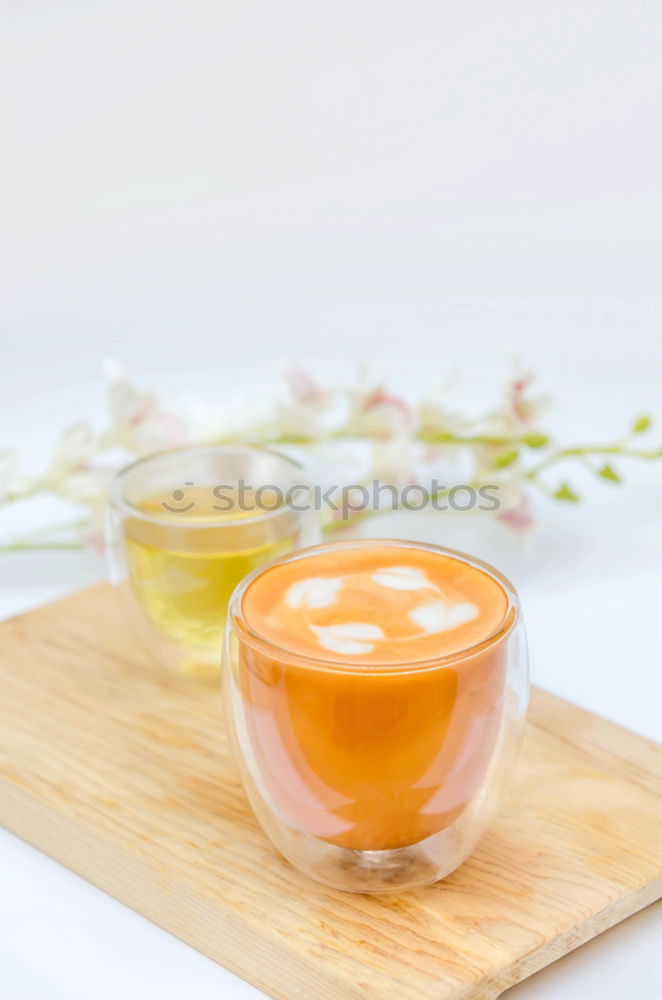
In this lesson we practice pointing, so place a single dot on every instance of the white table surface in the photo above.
(434, 188)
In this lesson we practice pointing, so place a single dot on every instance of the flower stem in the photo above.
(34, 540)
(462, 439)
(586, 451)
(24, 546)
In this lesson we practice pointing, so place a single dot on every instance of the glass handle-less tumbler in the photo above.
(185, 526)
(373, 777)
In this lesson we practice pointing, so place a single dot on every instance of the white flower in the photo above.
(334, 462)
(309, 410)
(12, 483)
(88, 487)
(74, 451)
(518, 514)
(380, 414)
(71, 473)
(396, 461)
(520, 410)
(304, 390)
(138, 421)
(92, 535)
(435, 419)
(248, 416)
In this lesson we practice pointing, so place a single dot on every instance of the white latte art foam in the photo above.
(347, 638)
(441, 616)
(314, 592)
(402, 578)
(355, 638)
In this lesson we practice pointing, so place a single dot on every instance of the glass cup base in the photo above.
(394, 870)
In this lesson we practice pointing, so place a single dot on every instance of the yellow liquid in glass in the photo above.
(183, 565)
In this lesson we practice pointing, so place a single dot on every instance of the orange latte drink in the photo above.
(369, 682)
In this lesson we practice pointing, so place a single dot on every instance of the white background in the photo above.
(435, 188)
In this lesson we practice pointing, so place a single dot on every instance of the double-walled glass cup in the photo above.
(380, 777)
(185, 526)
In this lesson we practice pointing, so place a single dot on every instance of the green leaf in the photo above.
(535, 440)
(506, 458)
(609, 472)
(565, 492)
(641, 424)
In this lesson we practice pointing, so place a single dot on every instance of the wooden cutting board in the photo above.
(123, 773)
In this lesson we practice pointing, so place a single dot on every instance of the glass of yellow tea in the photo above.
(185, 527)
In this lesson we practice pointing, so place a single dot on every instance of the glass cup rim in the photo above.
(237, 621)
(118, 500)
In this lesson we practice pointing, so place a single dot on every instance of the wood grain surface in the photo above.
(122, 772)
